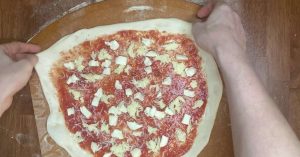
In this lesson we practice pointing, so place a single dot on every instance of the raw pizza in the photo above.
(138, 89)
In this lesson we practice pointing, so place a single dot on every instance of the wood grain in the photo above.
(273, 33)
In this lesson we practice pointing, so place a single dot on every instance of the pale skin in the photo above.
(258, 127)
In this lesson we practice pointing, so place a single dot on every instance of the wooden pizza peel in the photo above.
(110, 12)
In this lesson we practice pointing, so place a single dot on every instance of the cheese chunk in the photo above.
(139, 96)
(72, 79)
(114, 45)
(194, 84)
(176, 104)
(159, 115)
(161, 104)
(106, 63)
(69, 65)
(104, 128)
(165, 58)
(151, 130)
(118, 85)
(147, 42)
(106, 71)
(95, 147)
(128, 92)
(180, 135)
(78, 63)
(85, 112)
(159, 95)
(127, 69)
(137, 133)
(70, 111)
(121, 60)
(113, 119)
(97, 97)
(169, 111)
(136, 152)
(186, 119)
(189, 93)
(77, 137)
(171, 46)
(134, 108)
(143, 83)
(147, 61)
(93, 63)
(120, 149)
(148, 69)
(181, 57)
(121, 107)
(76, 94)
(107, 154)
(179, 68)
(153, 145)
(198, 104)
(151, 54)
(103, 54)
(130, 50)
(119, 69)
(142, 50)
(117, 134)
(152, 111)
(164, 141)
(134, 125)
(147, 111)
(114, 110)
(92, 127)
(167, 81)
(91, 77)
(190, 71)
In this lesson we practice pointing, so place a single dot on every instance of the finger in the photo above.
(32, 59)
(205, 11)
(19, 47)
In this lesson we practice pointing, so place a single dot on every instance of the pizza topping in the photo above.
(117, 134)
(72, 79)
(120, 149)
(165, 58)
(159, 115)
(69, 65)
(186, 119)
(105, 98)
(164, 141)
(134, 125)
(114, 45)
(104, 128)
(107, 154)
(95, 147)
(121, 107)
(76, 94)
(161, 104)
(159, 95)
(137, 133)
(127, 69)
(181, 57)
(113, 119)
(119, 69)
(194, 84)
(198, 104)
(190, 71)
(85, 112)
(70, 111)
(154, 113)
(93, 63)
(151, 54)
(91, 127)
(136, 152)
(147, 42)
(148, 70)
(118, 85)
(78, 63)
(171, 46)
(153, 145)
(188, 93)
(143, 83)
(179, 68)
(147, 61)
(151, 130)
(103, 54)
(134, 108)
(77, 137)
(141, 51)
(114, 110)
(106, 71)
(139, 96)
(91, 77)
(167, 81)
(130, 50)
(121, 60)
(176, 104)
(180, 135)
(97, 97)
(128, 92)
(106, 63)
(169, 111)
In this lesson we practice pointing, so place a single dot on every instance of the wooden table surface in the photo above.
(273, 33)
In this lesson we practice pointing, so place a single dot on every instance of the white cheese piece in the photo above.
(119, 69)
(93, 63)
(189, 93)
(127, 69)
(117, 134)
(186, 119)
(97, 97)
(93, 55)
(167, 81)
(120, 149)
(121, 60)
(78, 63)
(134, 125)
(105, 98)
(137, 133)
(180, 135)
(143, 83)
(95, 147)
(152, 111)
(181, 57)
(69, 65)
(159, 115)
(107, 154)
(164, 141)
(114, 45)
(103, 54)
(176, 104)
(147, 42)
(147, 61)
(104, 128)
(133, 109)
(165, 58)
(190, 71)
(169, 111)
(77, 137)
(121, 107)
(147, 111)
(70, 111)
(139, 96)
(189, 128)
(114, 110)
(151, 54)
(142, 50)
(194, 84)
(171, 46)
(91, 127)
(151, 130)
(153, 145)
(179, 68)
(106, 71)
(159, 95)
(161, 104)
(91, 77)
(113, 119)
(128, 92)
(72, 79)
(136, 152)
(198, 104)
(85, 112)
(148, 69)
(118, 85)
(106, 63)
(99, 93)
(76, 94)
(130, 51)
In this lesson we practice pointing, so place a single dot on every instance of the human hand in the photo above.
(220, 31)
(16, 63)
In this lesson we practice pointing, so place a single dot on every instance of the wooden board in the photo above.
(107, 12)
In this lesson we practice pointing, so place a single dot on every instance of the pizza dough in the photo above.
(56, 125)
